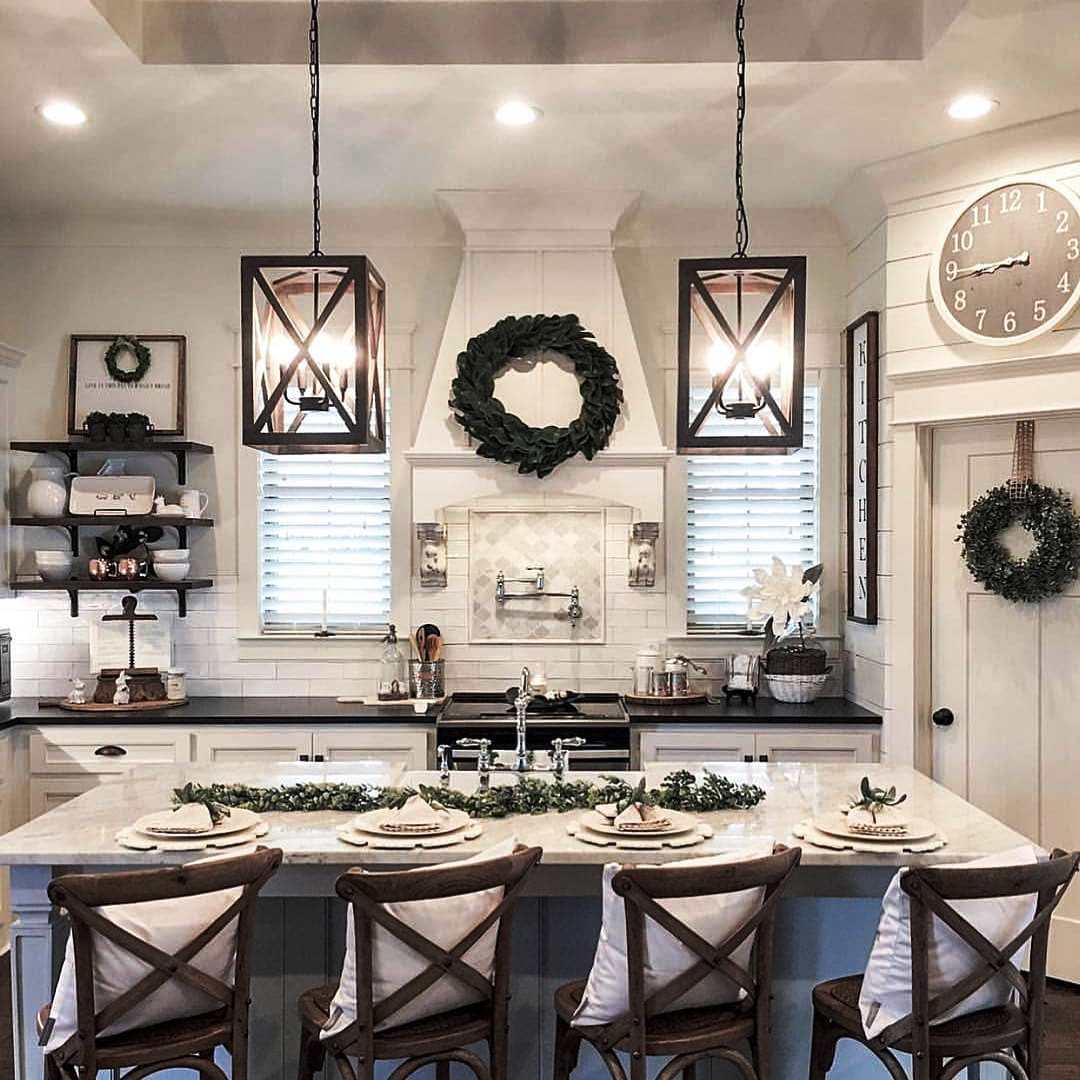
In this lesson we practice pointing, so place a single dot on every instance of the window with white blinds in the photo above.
(740, 512)
(324, 539)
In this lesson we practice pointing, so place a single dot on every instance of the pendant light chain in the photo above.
(313, 71)
(742, 221)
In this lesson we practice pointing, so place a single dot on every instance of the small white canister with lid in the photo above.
(649, 659)
(175, 684)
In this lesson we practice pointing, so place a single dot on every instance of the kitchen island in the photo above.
(825, 927)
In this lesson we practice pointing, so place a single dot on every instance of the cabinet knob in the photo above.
(305, 757)
(943, 717)
(748, 758)
(763, 757)
(109, 750)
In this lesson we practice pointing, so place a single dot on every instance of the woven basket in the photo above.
(796, 689)
(792, 660)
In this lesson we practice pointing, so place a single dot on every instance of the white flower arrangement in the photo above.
(781, 597)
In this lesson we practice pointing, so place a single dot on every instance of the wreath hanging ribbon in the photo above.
(133, 347)
(502, 436)
(1047, 513)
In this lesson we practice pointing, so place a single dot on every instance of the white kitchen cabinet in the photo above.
(243, 746)
(694, 744)
(49, 792)
(398, 744)
(62, 751)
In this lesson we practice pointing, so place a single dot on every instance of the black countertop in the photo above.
(328, 710)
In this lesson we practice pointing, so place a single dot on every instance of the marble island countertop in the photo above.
(82, 832)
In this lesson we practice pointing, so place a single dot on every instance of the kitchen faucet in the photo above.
(574, 610)
(521, 708)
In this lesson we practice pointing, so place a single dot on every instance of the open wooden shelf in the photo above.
(72, 448)
(74, 522)
(74, 586)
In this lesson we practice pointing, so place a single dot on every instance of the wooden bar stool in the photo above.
(686, 1035)
(1011, 1035)
(187, 1043)
(438, 1039)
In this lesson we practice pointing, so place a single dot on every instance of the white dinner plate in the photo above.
(836, 824)
(678, 822)
(374, 821)
(237, 820)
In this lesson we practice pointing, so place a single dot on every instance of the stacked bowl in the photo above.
(53, 565)
(171, 564)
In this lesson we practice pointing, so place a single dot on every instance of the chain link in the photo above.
(742, 221)
(313, 72)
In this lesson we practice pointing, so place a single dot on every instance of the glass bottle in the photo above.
(393, 670)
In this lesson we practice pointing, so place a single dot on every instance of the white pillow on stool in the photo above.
(607, 993)
(886, 989)
(167, 925)
(444, 921)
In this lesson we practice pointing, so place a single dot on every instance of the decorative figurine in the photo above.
(77, 694)
(123, 694)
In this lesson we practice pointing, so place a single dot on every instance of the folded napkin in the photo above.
(890, 820)
(416, 816)
(641, 817)
(188, 818)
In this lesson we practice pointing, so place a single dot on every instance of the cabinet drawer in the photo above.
(269, 744)
(817, 746)
(693, 745)
(394, 745)
(49, 792)
(55, 751)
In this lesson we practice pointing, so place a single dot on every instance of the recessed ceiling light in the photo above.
(517, 114)
(970, 106)
(62, 113)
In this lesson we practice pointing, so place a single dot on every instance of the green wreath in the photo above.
(137, 349)
(504, 437)
(1048, 515)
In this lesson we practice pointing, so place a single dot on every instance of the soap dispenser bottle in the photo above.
(393, 670)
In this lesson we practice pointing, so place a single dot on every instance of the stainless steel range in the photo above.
(598, 720)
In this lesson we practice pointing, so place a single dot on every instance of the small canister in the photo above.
(676, 667)
(648, 660)
(175, 684)
(661, 684)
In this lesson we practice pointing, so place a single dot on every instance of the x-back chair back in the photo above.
(642, 889)
(367, 893)
(83, 895)
(930, 891)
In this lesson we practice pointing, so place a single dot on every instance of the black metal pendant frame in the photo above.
(365, 432)
(789, 272)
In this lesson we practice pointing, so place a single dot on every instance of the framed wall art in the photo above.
(128, 373)
(861, 363)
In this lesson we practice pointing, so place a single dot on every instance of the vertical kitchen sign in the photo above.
(861, 348)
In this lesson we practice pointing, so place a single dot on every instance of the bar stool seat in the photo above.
(436, 1034)
(684, 1031)
(974, 1033)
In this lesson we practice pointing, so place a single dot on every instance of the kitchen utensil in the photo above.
(428, 640)
(112, 495)
(172, 571)
(194, 503)
(47, 495)
(427, 679)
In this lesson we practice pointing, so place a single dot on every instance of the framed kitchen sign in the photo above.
(861, 361)
(127, 373)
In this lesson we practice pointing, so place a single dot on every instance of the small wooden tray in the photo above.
(135, 706)
(664, 699)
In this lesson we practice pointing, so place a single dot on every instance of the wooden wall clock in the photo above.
(1008, 269)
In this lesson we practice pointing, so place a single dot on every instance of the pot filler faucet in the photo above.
(537, 580)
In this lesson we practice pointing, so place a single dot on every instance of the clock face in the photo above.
(1009, 267)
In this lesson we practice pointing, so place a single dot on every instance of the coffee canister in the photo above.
(676, 667)
(175, 684)
(647, 661)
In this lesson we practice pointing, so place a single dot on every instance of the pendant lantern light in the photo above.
(313, 337)
(742, 334)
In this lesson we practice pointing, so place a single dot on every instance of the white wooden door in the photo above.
(1009, 673)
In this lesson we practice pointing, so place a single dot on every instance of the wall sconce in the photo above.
(642, 554)
(431, 554)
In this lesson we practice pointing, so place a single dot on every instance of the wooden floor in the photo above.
(1062, 1030)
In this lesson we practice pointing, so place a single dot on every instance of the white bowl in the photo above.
(172, 571)
(53, 556)
(59, 572)
(170, 555)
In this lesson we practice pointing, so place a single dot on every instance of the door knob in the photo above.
(943, 717)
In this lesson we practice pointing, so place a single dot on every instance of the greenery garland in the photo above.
(504, 437)
(1048, 515)
(137, 349)
(678, 791)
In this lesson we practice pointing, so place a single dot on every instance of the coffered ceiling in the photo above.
(199, 104)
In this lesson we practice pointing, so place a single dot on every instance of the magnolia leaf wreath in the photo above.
(1048, 515)
(504, 437)
(136, 349)
(679, 791)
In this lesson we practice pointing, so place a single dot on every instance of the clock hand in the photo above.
(1023, 259)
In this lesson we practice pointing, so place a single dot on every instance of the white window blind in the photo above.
(741, 511)
(324, 526)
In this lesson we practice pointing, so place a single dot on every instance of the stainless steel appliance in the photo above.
(599, 719)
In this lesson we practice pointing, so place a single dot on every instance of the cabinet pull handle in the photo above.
(748, 758)
(319, 757)
(763, 757)
(305, 757)
(109, 750)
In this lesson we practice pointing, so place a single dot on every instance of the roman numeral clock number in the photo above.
(1004, 272)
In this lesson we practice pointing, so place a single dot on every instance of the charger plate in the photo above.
(807, 831)
(139, 841)
(836, 824)
(238, 820)
(678, 823)
(636, 842)
(397, 842)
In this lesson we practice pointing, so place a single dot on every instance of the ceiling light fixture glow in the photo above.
(62, 113)
(517, 114)
(970, 106)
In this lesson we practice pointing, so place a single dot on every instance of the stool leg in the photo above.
(690, 1072)
(567, 1048)
(823, 1046)
(442, 1070)
(312, 1054)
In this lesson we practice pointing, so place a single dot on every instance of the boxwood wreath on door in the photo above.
(502, 436)
(1045, 512)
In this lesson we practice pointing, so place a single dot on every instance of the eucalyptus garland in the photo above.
(504, 437)
(137, 349)
(678, 791)
(1048, 515)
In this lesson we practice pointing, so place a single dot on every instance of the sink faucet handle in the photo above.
(526, 679)
(446, 761)
(568, 744)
